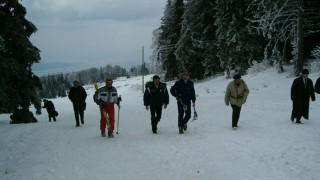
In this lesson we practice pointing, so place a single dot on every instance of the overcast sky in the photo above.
(74, 34)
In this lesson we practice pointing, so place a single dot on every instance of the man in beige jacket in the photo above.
(236, 95)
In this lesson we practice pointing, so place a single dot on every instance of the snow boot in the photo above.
(110, 135)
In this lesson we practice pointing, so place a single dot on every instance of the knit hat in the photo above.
(109, 80)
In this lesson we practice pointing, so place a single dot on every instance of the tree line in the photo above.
(58, 85)
(206, 37)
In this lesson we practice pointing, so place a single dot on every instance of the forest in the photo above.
(207, 37)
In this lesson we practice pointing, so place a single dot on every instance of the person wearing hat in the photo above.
(77, 96)
(156, 96)
(183, 91)
(236, 94)
(52, 113)
(301, 91)
(106, 97)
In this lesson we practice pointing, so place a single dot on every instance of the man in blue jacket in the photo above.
(183, 91)
(156, 95)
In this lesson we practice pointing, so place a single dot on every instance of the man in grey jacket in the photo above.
(106, 97)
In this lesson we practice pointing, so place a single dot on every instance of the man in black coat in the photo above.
(77, 96)
(50, 109)
(301, 91)
(183, 91)
(156, 96)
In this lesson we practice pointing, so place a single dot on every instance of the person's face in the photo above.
(185, 77)
(306, 75)
(156, 82)
(75, 85)
(237, 81)
(109, 84)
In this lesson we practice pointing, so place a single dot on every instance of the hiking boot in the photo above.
(103, 134)
(185, 127)
(110, 135)
(181, 130)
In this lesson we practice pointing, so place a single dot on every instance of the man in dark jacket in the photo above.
(50, 109)
(156, 96)
(77, 96)
(301, 91)
(183, 91)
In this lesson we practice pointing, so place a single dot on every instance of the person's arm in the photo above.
(146, 98)
(173, 90)
(293, 90)
(70, 96)
(227, 96)
(84, 94)
(245, 92)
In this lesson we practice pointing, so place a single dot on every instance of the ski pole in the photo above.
(119, 99)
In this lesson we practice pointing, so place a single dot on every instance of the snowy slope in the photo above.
(265, 146)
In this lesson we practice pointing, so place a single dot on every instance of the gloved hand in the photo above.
(101, 104)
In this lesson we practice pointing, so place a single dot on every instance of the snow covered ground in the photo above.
(267, 145)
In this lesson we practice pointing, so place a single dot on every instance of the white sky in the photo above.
(93, 33)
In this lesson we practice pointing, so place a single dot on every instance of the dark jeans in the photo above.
(183, 120)
(54, 118)
(155, 116)
(78, 110)
(235, 115)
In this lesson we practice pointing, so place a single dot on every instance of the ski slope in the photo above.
(267, 145)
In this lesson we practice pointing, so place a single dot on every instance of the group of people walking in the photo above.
(156, 97)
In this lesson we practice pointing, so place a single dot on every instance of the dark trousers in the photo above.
(155, 116)
(235, 115)
(187, 114)
(78, 111)
(54, 118)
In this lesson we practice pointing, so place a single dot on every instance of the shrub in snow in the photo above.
(258, 67)
(315, 63)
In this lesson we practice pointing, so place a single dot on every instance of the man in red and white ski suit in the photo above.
(106, 97)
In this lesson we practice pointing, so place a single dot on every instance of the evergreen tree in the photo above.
(286, 22)
(18, 85)
(168, 36)
(237, 47)
(195, 49)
